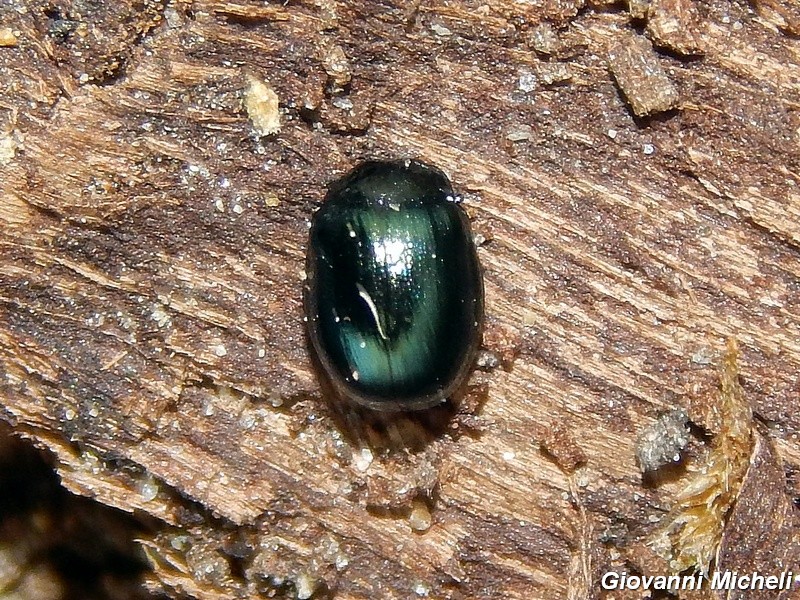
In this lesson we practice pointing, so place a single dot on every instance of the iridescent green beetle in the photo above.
(394, 295)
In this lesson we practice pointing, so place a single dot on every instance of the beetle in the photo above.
(394, 291)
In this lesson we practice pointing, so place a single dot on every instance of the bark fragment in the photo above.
(261, 103)
(640, 76)
(693, 530)
(675, 25)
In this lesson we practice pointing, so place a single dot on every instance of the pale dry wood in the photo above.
(151, 295)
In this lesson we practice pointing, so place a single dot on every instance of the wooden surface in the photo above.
(151, 273)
